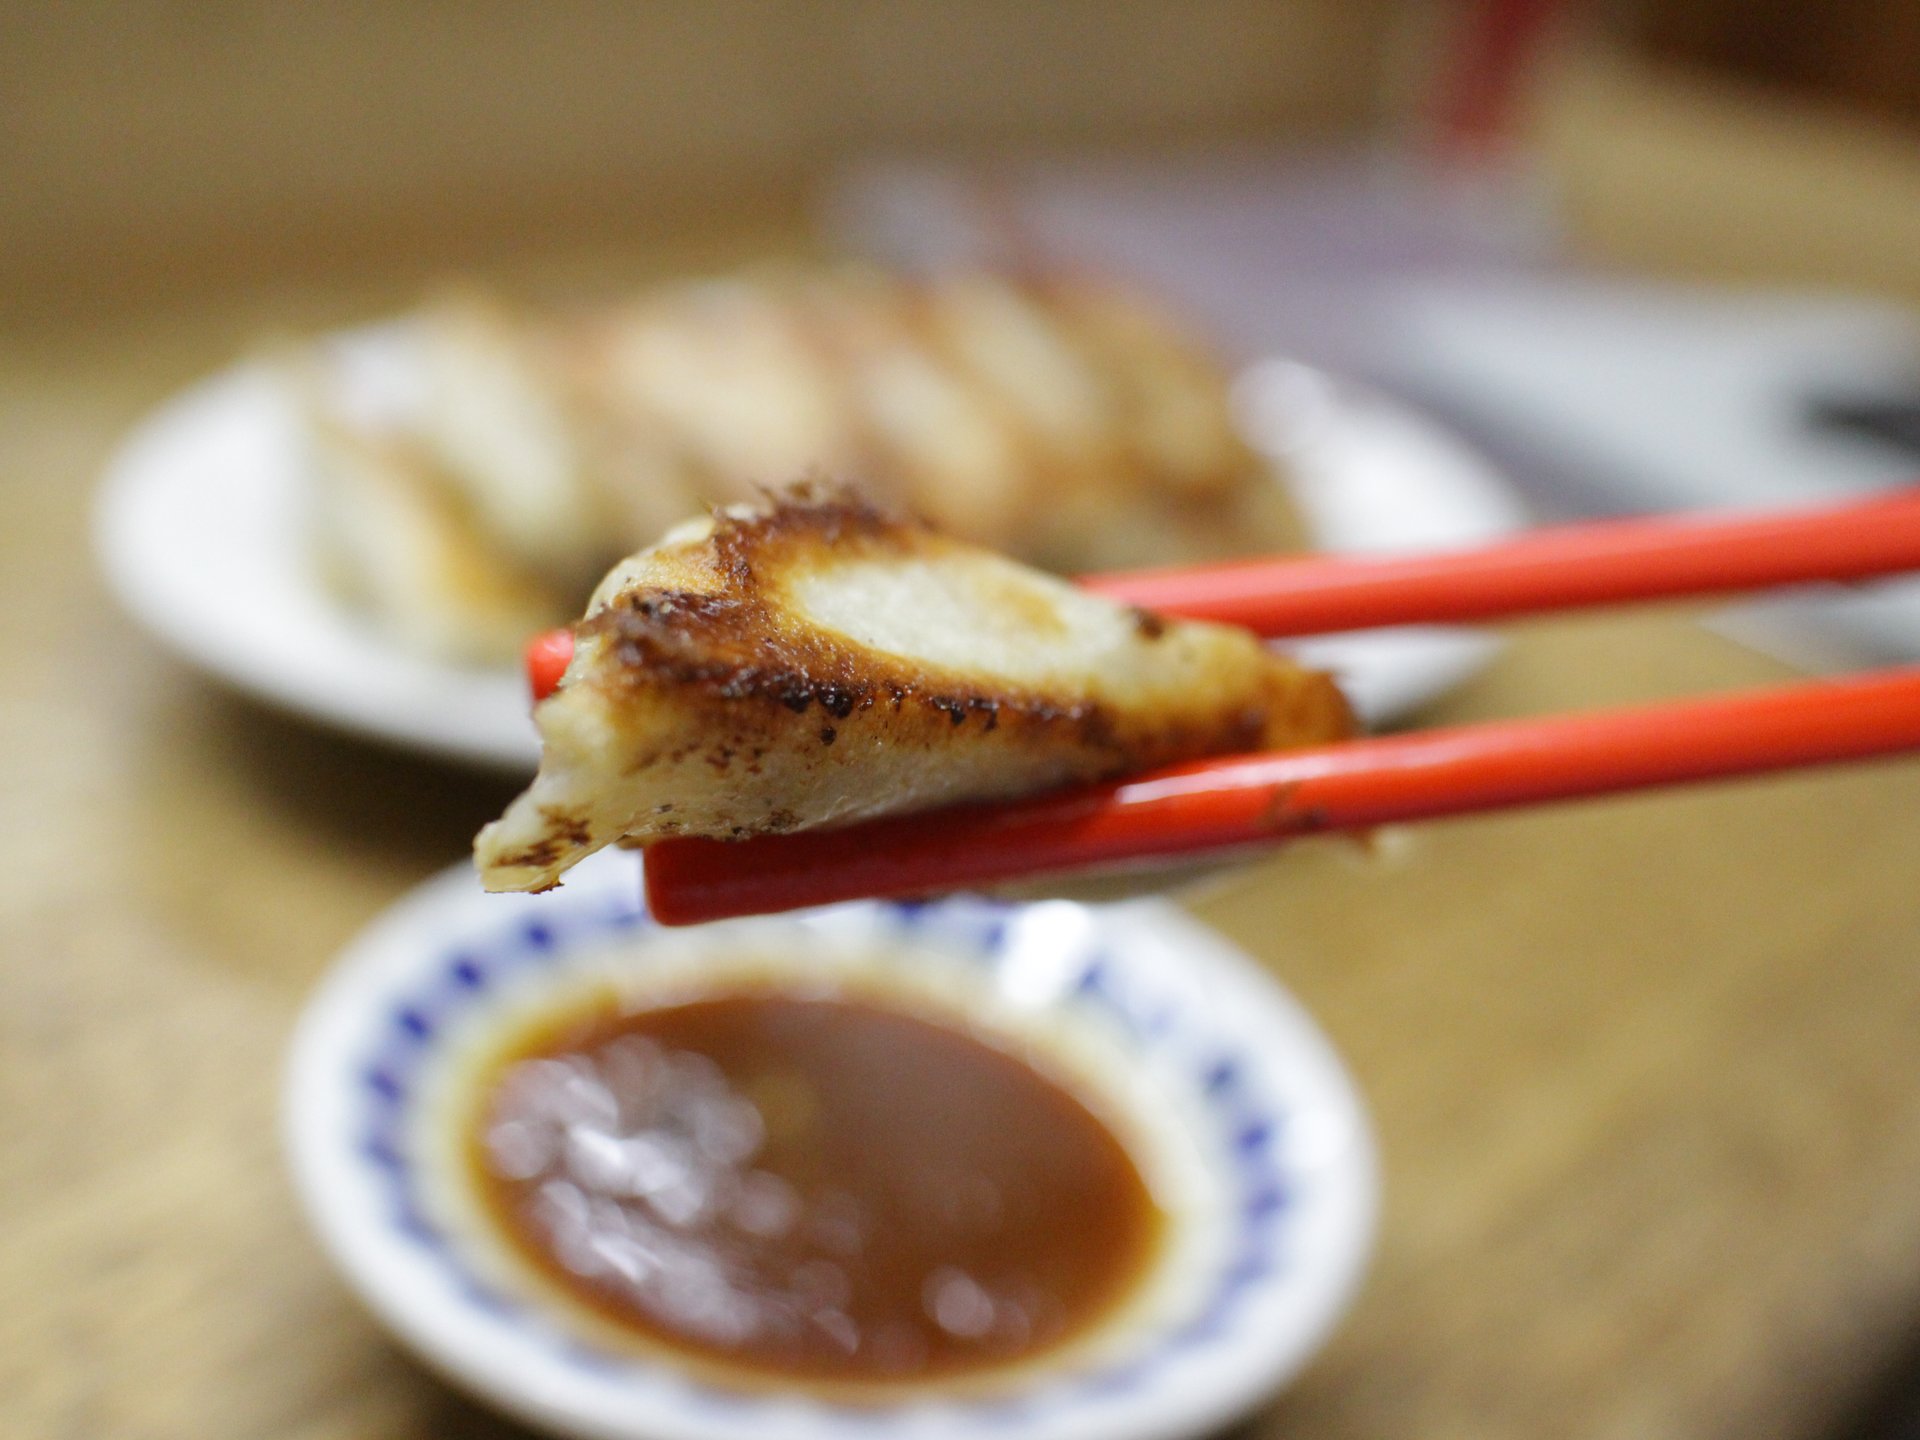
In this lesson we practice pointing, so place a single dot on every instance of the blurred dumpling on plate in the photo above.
(1058, 420)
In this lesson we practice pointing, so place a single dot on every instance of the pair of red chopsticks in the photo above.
(1250, 800)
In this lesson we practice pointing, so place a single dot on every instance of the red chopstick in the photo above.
(1559, 568)
(1568, 567)
(1253, 800)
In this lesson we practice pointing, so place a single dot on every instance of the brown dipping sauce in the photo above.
(831, 1191)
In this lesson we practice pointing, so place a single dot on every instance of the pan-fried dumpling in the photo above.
(815, 660)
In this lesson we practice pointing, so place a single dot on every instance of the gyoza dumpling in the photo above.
(1053, 419)
(816, 660)
(395, 538)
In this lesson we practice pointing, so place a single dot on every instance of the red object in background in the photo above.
(1478, 84)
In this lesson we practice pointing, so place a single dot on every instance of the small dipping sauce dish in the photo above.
(951, 1169)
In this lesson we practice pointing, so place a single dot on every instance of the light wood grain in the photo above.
(1643, 1070)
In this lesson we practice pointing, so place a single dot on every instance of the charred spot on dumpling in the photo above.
(567, 827)
(799, 521)
(539, 855)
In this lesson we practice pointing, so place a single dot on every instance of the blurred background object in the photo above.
(156, 148)
(1864, 53)
(1641, 285)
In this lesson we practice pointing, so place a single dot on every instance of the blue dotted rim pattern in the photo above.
(409, 1031)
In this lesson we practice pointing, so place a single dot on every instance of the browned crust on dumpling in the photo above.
(707, 696)
(742, 645)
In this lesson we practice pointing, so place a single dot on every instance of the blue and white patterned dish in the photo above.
(1242, 1117)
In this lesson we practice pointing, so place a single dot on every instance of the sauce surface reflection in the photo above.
(826, 1190)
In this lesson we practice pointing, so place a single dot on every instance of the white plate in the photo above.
(200, 529)
(1270, 1168)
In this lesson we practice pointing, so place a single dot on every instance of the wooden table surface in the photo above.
(1645, 1072)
